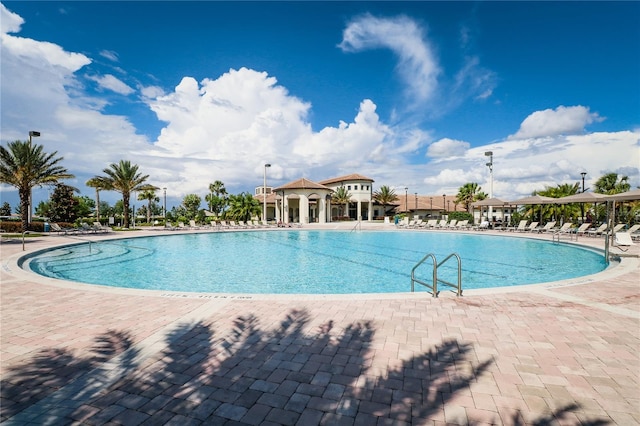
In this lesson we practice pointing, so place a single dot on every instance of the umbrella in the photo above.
(489, 202)
(583, 197)
(533, 199)
(633, 195)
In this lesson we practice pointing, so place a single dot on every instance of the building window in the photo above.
(348, 187)
(355, 187)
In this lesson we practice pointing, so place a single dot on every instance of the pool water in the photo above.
(312, 262)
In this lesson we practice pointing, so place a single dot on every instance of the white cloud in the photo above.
(418, 65)
(560, 121)
(447, 148)
(110, 55)
(9, 21)
(109, 82)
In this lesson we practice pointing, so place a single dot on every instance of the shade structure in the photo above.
(533, 199)
(583, 197)
(633, 195)
(489, 202)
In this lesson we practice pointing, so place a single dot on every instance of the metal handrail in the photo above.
(436, 265)
(358, 224)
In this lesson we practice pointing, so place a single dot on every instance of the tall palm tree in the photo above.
(469, 193)
(97, 185)
(385, 196)
(217, 197)
(24, 165)
(124, 178)
(559, 211)
(150, 196)
(610, 184)
(243, 206)
(341, 197)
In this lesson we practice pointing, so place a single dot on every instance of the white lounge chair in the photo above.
(623, 241)
(532, 227)
(583, 228)
(547, 227)
(484, 225)
(598, 231)
(431, 223)
(521, 226)
(564, 229)
(633, 231)
(452, 224)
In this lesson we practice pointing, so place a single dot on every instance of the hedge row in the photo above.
(13, 227)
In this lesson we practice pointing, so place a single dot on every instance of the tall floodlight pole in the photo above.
(164, 206)
(490, 165)
(416, 202)
(431, 206)
(32, 134)
(583, 174)
(406, 199)
(264, 194)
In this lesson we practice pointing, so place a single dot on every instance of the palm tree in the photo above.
(610, 184)
(217, 197)
(469, 193)
(97, 185)
(124, 178)
(341, 197)
(385, 196)
(243, 206)
(560, 211)
(24, 166)
(150, 196)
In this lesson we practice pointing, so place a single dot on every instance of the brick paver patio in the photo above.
(544, 354)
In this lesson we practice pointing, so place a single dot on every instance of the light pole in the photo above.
(164, 206)
(32, 134)
(431, 206)
(490, 165)
(583, 174)
(406, 199)
(444, 197)
(264, 194)
(416, 203)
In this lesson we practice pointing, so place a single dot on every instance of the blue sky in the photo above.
(410, 94)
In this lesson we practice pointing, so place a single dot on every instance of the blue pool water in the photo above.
(312, 261)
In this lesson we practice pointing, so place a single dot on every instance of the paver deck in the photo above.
(542, 354)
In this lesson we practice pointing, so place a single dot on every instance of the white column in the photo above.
(370, 212)
(304, 208)
(322, 210)
(358, 210)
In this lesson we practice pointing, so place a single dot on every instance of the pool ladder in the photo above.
(434, 285)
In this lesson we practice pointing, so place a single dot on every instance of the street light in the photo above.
(264, 194)
(490, 165)
(32, 134)
(431, 207)
(583, 174)
(406, 199)
(416, 202)
(164, 206)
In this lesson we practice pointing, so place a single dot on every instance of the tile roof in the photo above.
(353, 176)
(302, 183)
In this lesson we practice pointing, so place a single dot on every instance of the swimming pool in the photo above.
(311, 262)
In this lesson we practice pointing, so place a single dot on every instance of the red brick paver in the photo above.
(78, 354)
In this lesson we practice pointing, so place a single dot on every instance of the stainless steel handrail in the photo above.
(358, 224)
(435, 279)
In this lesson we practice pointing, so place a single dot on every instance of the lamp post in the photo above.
(164, 206)
(583, 174)
(32, 134)
(264, 194)
(416, 203)
(431, 206)
(406, 199)
(490, 165)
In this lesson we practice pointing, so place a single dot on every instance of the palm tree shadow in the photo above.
(54, 368)
(287, 368)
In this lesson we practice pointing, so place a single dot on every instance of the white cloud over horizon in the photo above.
(226, 127)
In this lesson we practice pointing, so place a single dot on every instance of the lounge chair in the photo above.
(452, 224)
(522, 226)
(598, 231)
(484, 225)
(101, 228)
(623, 241)
(546, 228)
(193, 225)
(462, 224)
(442, 224)
(564, 229)
(583, 228)
(431, 223)
(532, 227)
(58, 229)
(633, 231)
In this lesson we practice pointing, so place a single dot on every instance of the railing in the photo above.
(358, 226)
(435, 280)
